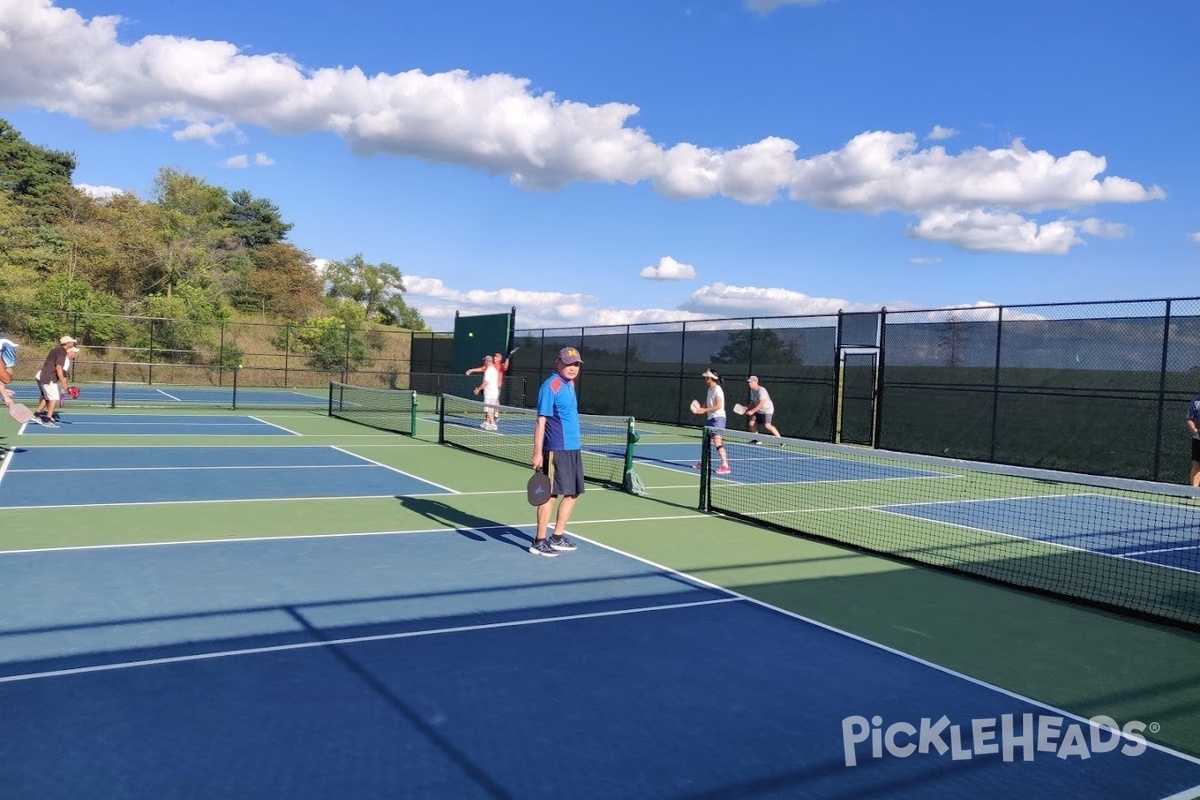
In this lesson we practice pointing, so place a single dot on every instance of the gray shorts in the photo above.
(565, 470)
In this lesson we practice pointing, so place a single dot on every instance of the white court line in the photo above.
(304, 536)
(8, 460)
(1162, 550)
(240, 500)
(187, 467)
(273, 425)
(885, 648)
(383, 637)
(168, 394)
(732, 596)
(223, 424)
(394, 469)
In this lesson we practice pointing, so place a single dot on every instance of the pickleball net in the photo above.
(1126, 545)
(384, 409)
(607, 442)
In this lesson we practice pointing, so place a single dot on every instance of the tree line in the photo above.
(193, 253)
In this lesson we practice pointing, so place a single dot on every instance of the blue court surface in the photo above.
(452, 664)
(1167, 535)
(111, 475)
(770, 465)
(157, 424)
(132, 394)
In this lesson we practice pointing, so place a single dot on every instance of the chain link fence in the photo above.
(1097, 388)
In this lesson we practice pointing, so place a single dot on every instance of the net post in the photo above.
(112, 403)
(235, 386)
(632, 437)
(330, 407)
(705, 462)
(441, 409)
(412, 415)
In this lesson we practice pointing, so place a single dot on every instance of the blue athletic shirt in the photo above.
(558, 404)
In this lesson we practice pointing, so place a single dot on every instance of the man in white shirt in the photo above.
(761, 408)
(490, 388)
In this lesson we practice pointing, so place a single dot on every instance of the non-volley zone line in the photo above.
(159, 425)
(440, 677)
(190, 474)
(383, 637)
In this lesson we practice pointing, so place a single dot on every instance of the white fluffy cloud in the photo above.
(979, 199)
(940, 132)
(437, 304)
(668, 269)
(924, 260)
(99, 192)
(242, 161)
(983, 231)
(720, 299)
(1195, 237)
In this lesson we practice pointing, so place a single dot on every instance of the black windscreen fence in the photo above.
(1095, 388)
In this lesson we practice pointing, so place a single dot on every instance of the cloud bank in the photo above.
(977, 199)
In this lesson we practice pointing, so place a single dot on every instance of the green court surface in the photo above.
(1085, 661)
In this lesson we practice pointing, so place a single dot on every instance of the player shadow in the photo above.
(478, 529)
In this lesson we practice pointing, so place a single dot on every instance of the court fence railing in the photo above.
(1093, 387)
(1097, 387)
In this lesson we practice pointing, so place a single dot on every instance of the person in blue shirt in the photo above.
(557, 451)
(1193, 424)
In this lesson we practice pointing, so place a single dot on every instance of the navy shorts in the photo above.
(716, 423)
(565, 470)
(1195, 449)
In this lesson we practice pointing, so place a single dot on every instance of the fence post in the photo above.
(835, 410)
(996, 386)
(625, 377)
(221, 357)
(346, 358)
(1162, 393)
(150, 358)
(682, 363)
(750, 355)
(287, 351)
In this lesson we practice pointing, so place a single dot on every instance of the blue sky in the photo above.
(620, 161)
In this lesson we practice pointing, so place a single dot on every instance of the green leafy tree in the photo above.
(191, 229)
(377, 288)
(255, 222)
(335, 341)
(279, 281)
(182, 326)
(764, 344)
(67, 304)
(34, 176)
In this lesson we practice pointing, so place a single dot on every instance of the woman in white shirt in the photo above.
(714, 408)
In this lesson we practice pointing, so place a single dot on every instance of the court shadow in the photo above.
(478, 529)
